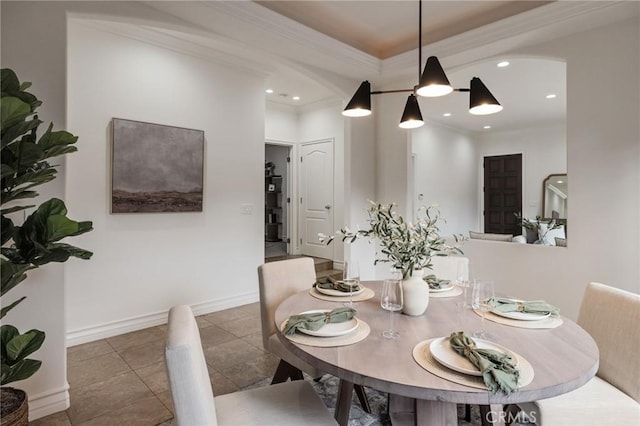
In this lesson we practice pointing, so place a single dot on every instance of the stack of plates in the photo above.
(522, 316)
(442, 352)
(338, 293)
(445, 288)
(331, 329)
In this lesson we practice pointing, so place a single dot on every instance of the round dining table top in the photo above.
(563, 358)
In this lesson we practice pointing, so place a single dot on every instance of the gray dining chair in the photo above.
(291, 403)
(277, 281)
(611, 316)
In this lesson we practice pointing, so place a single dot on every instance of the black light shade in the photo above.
(481, 101)
(433, 81)
(411, 117)
(360, 103)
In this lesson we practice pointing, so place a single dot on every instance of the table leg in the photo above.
(343, 402)
(409, 411)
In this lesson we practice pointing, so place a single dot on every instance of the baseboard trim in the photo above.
(47, 403)
(102, 331)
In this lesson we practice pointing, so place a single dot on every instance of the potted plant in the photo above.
(407, 246)
(37, 241)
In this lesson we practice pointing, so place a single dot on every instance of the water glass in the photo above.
(351, 277)
(462, 280)
(391, 300)
(482, 292)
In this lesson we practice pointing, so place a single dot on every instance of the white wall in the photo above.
(323, 120)
(544, 152)
(281, 122)
(446, 174)
(179, 257)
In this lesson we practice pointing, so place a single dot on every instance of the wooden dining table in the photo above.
(563, 358)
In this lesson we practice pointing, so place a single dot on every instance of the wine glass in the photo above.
(462, 280)
(351, 277)
(482, 292)
(391, 300)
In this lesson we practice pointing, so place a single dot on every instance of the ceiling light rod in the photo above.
(432, 82)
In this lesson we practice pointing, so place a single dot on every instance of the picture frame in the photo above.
(156, 168)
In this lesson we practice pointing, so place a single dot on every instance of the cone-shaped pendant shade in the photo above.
(481, 101)
(434, 81)
(360, 104)
(411, 117)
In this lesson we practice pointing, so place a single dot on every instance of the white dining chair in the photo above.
(446, 267)
(277, 281)
(611, 316)
(291, 403)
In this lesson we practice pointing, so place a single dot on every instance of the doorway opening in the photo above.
(277, 200)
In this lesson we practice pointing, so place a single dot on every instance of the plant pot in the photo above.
(415, 293)
(14, 406)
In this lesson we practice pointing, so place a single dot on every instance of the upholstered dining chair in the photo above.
(277, 281)
(611, 316)
(446, 267)
(292, 403)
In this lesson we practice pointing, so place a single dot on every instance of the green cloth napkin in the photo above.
(533, 306)
(316, 320)
(435, 283)
(331, 284)
(497, 368)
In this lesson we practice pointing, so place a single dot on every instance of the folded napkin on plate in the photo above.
(316, 320)
(497, 368)
(435, 283)
(331, 284)
(533, 306)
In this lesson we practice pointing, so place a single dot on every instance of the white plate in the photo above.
(522, 316)
(338, 293)
(331, 329)
(442, 290)
(445, 355)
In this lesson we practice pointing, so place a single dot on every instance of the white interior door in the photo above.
(316, 197)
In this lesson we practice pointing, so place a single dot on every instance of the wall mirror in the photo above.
(555, 196)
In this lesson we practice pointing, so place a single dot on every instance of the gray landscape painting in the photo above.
(156, 168)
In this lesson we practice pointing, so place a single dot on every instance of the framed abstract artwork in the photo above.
(156, 168)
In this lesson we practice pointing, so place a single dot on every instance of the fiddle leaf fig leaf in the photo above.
(12, 112)
(23, 345)
(20, 371)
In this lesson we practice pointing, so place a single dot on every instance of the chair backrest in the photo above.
(187, 370)
(611, 316)
(446, 267)
(279, 280)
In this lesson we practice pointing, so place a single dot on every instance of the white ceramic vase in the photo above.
(415, 294)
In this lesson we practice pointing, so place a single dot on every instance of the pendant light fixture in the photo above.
(432, 82)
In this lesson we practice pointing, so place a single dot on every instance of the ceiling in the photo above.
(383, 29)
(388, 28)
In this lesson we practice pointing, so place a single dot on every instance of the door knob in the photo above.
(328, 207)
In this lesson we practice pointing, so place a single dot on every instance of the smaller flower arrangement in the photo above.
(407, 246)
(535, 226)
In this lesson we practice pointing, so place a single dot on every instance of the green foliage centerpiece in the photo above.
(408, 246)
(36, 242)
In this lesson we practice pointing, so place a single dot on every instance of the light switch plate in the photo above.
(246, 209)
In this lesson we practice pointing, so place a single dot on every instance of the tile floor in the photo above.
(121, 380)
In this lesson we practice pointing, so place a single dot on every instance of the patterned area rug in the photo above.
(327, 388)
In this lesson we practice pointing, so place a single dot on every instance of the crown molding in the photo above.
(175, 41)
(537, 25)
(254, 26)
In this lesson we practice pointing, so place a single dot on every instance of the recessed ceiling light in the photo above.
(269, 91)
(486, 127)
(447, 114)
(551, 96)
(503, 64)
(560, 181)
(296, 98)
